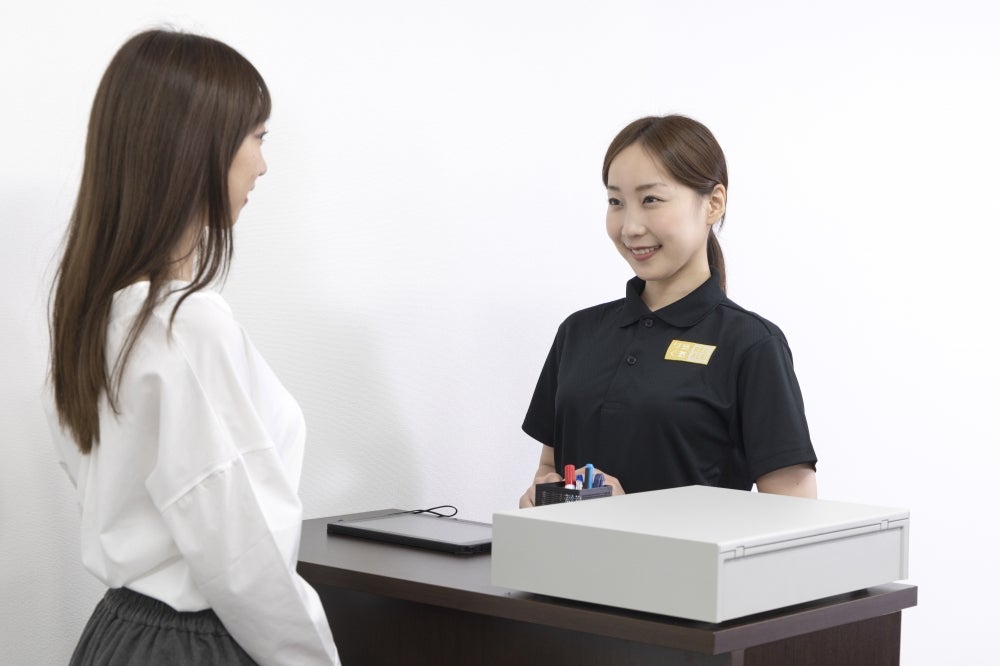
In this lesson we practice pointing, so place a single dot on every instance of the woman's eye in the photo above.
(261, 135)
(651, 199)
(613, 202)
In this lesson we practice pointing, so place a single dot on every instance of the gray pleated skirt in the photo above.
(130, 628)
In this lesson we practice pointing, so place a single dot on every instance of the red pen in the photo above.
(569, 477)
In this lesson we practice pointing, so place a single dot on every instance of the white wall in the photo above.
(433, 210)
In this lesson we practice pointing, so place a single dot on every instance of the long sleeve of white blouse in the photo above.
(226, 445)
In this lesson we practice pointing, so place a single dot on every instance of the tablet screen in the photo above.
(447, 534)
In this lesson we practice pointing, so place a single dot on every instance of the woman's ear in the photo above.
(716, 204)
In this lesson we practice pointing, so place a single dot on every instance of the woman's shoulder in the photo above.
(747, 323)
(203, 302)
(203, 325)
(595, 315)
(200, 319)
(203, 309)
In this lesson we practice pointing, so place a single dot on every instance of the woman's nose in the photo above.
(632, 225)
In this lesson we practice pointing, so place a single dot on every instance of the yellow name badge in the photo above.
(690, 352)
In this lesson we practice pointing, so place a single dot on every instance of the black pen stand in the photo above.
(557, 492)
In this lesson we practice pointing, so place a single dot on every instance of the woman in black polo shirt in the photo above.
(675, 384)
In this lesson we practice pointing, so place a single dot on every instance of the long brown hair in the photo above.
(689, 153)
(169, 115)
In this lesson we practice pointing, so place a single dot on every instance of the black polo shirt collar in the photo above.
(683, 313)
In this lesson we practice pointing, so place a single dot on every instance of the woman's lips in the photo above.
(644, 253)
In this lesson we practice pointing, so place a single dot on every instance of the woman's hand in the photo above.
(616, 486)
(546, 473)
(528, 498)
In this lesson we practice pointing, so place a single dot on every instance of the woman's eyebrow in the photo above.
(640, 188)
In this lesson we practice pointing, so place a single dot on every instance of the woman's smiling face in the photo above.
(659, 225)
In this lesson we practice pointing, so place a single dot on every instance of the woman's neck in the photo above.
(659, 294)
(183, 258)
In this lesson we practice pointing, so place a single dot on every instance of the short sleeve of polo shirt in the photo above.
(771, 411)
(540, 421)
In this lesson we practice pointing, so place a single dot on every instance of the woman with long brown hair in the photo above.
(184, 447)
(674, 384)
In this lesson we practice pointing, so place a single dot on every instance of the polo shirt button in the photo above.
(647, 322)
(631, 360)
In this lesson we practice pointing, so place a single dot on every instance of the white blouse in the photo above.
(190, 496)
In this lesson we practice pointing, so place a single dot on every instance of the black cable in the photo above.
(433, 509)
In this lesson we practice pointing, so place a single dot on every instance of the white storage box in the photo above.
(700, 553)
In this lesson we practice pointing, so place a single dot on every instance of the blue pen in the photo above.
(599, 480)
(579, 481)
(588, 480)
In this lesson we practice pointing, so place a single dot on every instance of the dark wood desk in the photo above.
(398, 605)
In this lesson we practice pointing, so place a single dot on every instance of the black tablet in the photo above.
(451, 535)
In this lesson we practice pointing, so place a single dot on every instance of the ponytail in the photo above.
(715, 258)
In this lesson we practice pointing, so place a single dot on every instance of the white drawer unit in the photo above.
(700, 553)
